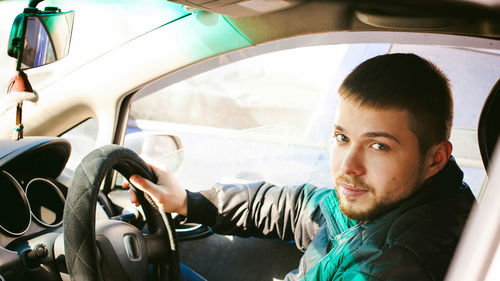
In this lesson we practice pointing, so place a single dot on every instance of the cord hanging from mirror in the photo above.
(34, 3)
(19, 90)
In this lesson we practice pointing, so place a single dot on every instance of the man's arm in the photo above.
(259, 209)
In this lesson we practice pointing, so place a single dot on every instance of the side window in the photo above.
(270, 117)
(83, 139)
(266, 117)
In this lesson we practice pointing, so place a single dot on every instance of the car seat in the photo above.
(489, 125)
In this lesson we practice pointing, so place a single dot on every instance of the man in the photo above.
(399, 203)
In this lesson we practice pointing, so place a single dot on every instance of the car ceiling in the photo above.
(246, 8)
(475, 18)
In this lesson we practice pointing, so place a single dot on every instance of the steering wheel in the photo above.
(122, 252)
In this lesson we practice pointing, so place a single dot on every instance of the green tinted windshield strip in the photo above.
(237, 30)
(149, 31)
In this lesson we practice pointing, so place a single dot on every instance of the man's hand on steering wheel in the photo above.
(167, 193)
(98, 250)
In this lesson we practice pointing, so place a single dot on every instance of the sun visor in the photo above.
(238, 9)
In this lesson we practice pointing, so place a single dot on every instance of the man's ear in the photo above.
(437, 157)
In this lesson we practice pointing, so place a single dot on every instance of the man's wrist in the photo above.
(199, 208)
(183, 208)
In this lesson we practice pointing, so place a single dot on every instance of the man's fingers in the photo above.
(133, 197)
(125, 184)
(140, 182)
(144, 185)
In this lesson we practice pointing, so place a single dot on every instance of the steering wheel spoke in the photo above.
(157, 246)
(123, 251)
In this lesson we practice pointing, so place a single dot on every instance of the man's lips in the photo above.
(350, 190)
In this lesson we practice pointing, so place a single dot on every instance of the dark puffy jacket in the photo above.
(414, 241)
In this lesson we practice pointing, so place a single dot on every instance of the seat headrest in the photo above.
(489, 125)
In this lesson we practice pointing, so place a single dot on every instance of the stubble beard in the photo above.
(378, 204)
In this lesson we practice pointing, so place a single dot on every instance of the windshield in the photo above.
(99, 27)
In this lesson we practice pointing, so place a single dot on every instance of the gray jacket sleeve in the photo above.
(260, 209)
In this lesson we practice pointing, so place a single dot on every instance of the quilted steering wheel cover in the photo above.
(79, 209)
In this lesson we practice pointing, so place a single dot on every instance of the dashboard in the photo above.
(31, 207)
(32, 203)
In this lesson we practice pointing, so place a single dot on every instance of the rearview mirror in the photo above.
(40, 37)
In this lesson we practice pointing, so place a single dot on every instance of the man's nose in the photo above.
(352, 164)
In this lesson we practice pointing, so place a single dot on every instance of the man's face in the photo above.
(375, 159)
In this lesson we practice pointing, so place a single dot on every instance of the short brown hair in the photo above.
(407, 82)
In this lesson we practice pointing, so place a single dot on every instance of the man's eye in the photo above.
(341, 138)
(380, 146)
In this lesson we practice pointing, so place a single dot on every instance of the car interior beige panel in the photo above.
(243, 8)
(494, 271)
(413, 23)
(73, 114)
(343, 16)
(50, 122)
(481, 236)
(196, 41)
(323, 17)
